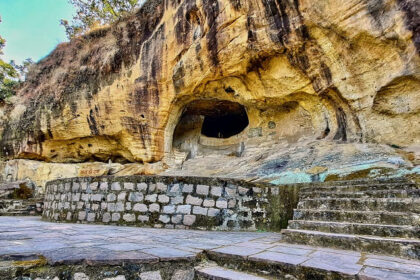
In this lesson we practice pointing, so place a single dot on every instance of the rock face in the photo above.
(197, 76)
(40, 172)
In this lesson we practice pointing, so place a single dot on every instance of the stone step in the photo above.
(401, 247)
(357, 228)
(362, 187)
(398, 193)
(176, 158)
(288, 261)
(15, 213)
(362, 204)
(372, 217)
(221, 273)
(399, 180)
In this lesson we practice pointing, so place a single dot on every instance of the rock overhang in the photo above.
(118, 93)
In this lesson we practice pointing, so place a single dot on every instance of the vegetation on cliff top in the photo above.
(90, 15)
(95, 13)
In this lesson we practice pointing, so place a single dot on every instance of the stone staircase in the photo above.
(176, 158)
(380, 216)
(12, 203)
(21, 207)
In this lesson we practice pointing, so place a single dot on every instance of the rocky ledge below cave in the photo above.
(271, 162)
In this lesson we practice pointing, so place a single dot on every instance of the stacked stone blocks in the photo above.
(154, 201)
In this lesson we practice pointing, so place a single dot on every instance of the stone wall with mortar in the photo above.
(171, 202)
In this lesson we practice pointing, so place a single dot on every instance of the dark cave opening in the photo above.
(211, 118)
(220, 118)
(224, 126)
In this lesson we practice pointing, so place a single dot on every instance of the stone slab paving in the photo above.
(351, 263)
(100, 244)
(113, 245)
(223, 273)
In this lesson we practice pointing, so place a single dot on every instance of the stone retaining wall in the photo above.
(171, 202)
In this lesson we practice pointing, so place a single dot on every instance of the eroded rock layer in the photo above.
(194, 76)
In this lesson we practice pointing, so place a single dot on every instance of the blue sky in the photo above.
(32, 27)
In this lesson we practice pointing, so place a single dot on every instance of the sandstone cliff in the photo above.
(196, 76)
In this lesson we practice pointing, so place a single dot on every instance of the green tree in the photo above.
(9, 80)
(24, 68)
(9, 76)
(93, 13)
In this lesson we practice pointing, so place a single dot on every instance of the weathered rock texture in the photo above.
(344, 71)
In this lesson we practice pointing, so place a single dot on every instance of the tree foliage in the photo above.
(8, 80)
(93, 13)
(8, 75)
(11, 74)
(24, 68)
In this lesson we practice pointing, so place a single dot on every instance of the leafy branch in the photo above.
(94, 13)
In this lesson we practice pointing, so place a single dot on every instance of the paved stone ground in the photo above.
(70, 243)
(97, 244)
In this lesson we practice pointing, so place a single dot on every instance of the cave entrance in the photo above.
(225, 125)
(209, 123)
